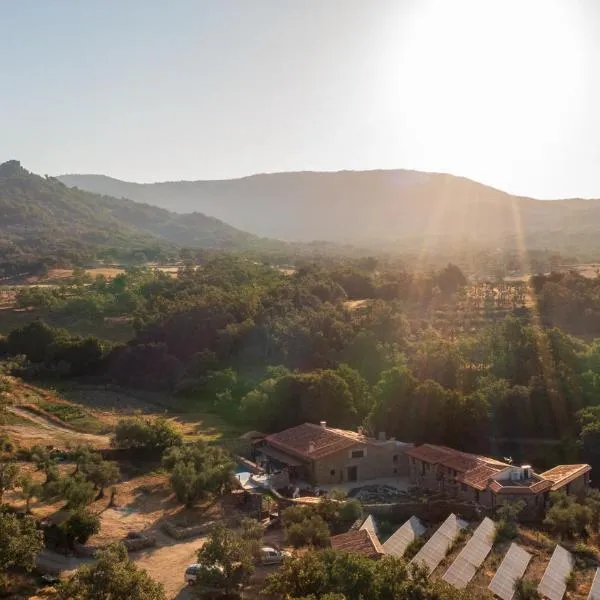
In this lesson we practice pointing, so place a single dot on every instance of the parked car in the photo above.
(271, 556)
(191, 573)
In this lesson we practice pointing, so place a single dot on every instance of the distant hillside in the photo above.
(43, 216)
(366, 207)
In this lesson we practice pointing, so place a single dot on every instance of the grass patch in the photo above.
(75, 417)
(9, 418)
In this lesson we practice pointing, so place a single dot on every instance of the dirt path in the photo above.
(166, 563)
(50, 430)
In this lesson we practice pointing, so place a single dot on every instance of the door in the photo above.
(352, 473)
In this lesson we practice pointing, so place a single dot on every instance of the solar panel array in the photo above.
(511, 569)
(595, 590)
(435, 549)
(396, 544)
(471, 557)
(554, 582)
(370, 525)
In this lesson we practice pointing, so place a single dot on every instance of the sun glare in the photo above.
(471, 70)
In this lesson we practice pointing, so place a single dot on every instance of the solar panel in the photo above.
(396, 545)
(595, 590)
(554, 582)
(435, 549)
(370, 525)
(511, 569)
(462, 570)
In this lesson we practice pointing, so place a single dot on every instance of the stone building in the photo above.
(319, 454)
(488, 481)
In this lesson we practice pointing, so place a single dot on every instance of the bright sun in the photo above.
(465, 71)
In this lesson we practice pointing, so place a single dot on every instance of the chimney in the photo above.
(311, 447)
(526, 471)
(323, 424)
(382, 436)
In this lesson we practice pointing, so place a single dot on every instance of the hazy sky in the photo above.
(503, 91)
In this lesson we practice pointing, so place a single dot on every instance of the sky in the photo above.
(506, 92)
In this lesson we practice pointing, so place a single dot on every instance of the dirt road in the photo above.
(42, 428)
(166, 563)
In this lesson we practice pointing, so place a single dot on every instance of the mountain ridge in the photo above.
(362, 207)
(42, 215)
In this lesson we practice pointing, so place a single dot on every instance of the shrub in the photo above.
(198, 470)
(413, 548)
(77, 491)
(309, 532)
(146, 433)
(588, 555)
(114, 576)
(506, 526)
(81, 526)
(526, 590)
(567, 517)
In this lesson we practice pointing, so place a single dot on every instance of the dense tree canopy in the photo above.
(423, 356)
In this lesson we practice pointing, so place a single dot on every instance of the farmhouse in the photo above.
(324, 455)
(487, 481)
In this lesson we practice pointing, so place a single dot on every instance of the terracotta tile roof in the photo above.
(563, 474)
(453, 459)
(536, 487)
(326, 440)
(362, 542)
(430, 453)
(479, 477)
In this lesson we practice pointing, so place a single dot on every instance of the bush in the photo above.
(589, 555)
(114, 576)
(526, 590)
(146, 433)
(77, 491)
(309, 532)
(80, 526)
(567, 517)
(506, 526)
(198, 470)
(413, 548)
(338, 512)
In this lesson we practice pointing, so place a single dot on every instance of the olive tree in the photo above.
(113, 576)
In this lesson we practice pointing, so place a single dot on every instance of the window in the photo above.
(395, 459)
(414, 462)
(463, 487)
(477, 497)
(332, 472)
(357, 454)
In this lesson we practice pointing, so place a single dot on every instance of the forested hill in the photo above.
(369, 207)
(43, 216)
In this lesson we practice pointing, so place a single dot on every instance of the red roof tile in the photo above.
(563, 474)
(498, 487)
(430, 453)
(326, 440)
(362, 542)
(450, 458)
(480, 476)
